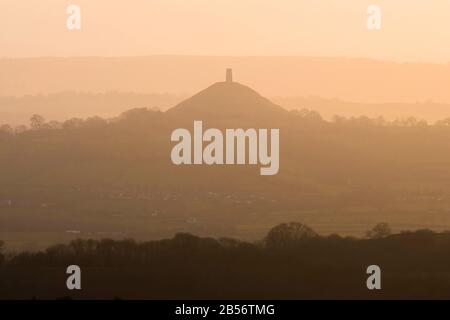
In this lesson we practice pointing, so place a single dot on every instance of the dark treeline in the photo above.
(292, 261)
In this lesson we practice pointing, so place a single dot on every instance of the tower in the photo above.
(229, 76)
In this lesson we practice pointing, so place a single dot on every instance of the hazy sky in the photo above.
(412, 30)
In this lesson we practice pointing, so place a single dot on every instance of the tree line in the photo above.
(291, 262)
(38, 122)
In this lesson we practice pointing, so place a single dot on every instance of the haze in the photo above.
(412, 30)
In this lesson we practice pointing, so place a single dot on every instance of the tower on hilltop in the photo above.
(229, 76)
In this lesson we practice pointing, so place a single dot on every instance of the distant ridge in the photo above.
(358, 80)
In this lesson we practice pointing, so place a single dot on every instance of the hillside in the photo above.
(225, 100)
(116, 179)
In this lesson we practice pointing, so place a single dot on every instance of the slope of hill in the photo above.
(228, 102)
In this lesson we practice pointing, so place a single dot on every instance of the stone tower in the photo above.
(229, 77)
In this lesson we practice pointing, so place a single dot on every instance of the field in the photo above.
(36, 224)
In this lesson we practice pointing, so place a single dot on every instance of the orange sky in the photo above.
(412, 30)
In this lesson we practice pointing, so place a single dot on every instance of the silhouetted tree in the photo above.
(444, 122)
(229, 242)
(380, 121)
(73, 123)
(135, 113)
(37, 122)
(53, 125)
(288, 233)
(338, 119)
(6, 129)
(410, 122)
(2, 258)
(308, 114)
(96, 121)
(381, 230)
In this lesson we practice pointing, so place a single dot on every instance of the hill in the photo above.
(115, 177)
(224, 99)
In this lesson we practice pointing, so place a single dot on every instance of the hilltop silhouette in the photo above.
(228, 100)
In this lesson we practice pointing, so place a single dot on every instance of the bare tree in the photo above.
(7, 129)
(381, 230)
(37, 122)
